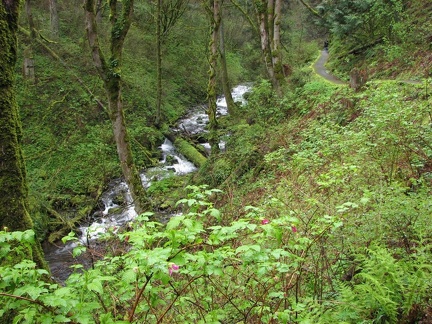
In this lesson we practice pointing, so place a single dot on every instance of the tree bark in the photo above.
(225, 78)
(14, 214)
(265, 41)
(269, 16)
(276, 45)
(211, 89)
(109, 72)
(29, 68)
(54, 19)
(158, 63)
(30, 19)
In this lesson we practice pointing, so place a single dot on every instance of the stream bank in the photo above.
(116, 205)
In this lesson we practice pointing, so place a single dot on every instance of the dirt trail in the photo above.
(320, 69)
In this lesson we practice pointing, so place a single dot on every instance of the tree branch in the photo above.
(312, 10)
(248, 18)
(37, 302)
(138, 297)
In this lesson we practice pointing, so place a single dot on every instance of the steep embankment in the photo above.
(358, 164)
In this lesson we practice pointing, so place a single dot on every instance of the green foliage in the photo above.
(365, 158)
(384, 290)
(336, 186)
(235, 68)
(263, 105)
(186, 271)
(385, 37)
(362, 22)
(190, 152)
(201, 267)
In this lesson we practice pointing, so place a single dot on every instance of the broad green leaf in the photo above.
(61, 319)
(174, 222)
(96, 286)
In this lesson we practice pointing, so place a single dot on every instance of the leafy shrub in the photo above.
(194, 269)
(263, 105)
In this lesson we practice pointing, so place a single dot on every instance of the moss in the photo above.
(190, 152)
(13, 187)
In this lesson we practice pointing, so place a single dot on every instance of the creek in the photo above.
(116, 206)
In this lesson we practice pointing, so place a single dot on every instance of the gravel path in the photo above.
(320, 69)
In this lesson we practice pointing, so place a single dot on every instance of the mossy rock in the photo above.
(115, 210)
(118, 199)
(170, 160)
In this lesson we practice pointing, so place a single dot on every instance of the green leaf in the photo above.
(96, 286)
(129, 276)
(28, 236)
(246, 248)
(17, 235)
(276, 294)
(252, 227)
(78, 251)
(54, 300)
(215, 213)
(174, 222)
(61, 319)
(70, 237)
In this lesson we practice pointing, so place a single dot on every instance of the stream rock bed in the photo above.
(117, 208)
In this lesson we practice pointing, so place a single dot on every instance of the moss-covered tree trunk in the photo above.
(265, 40)
(158, 62)
(14, 214)
(30, 20)
(269, 17)
(276, 44)
(214, 15)
(109, 71)
(226, 85)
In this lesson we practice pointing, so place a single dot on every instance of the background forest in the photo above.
(317, 210)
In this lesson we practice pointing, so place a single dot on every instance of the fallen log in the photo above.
(189, 152)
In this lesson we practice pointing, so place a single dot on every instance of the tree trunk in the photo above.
(110, 74)
(158, 63)
(269, 15)
(211, 89)
(225, 78)
(167, 14)
(265, 42)
(14, 214)
(29, 68)
(30, 19)
(358, 79)
(276, 46)
(54, 18)
(99, 9)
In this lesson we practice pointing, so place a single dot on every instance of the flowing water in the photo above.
(117, 206)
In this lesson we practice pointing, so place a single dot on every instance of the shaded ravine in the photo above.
(115, 213)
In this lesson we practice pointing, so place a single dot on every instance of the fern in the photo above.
(384, 290)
